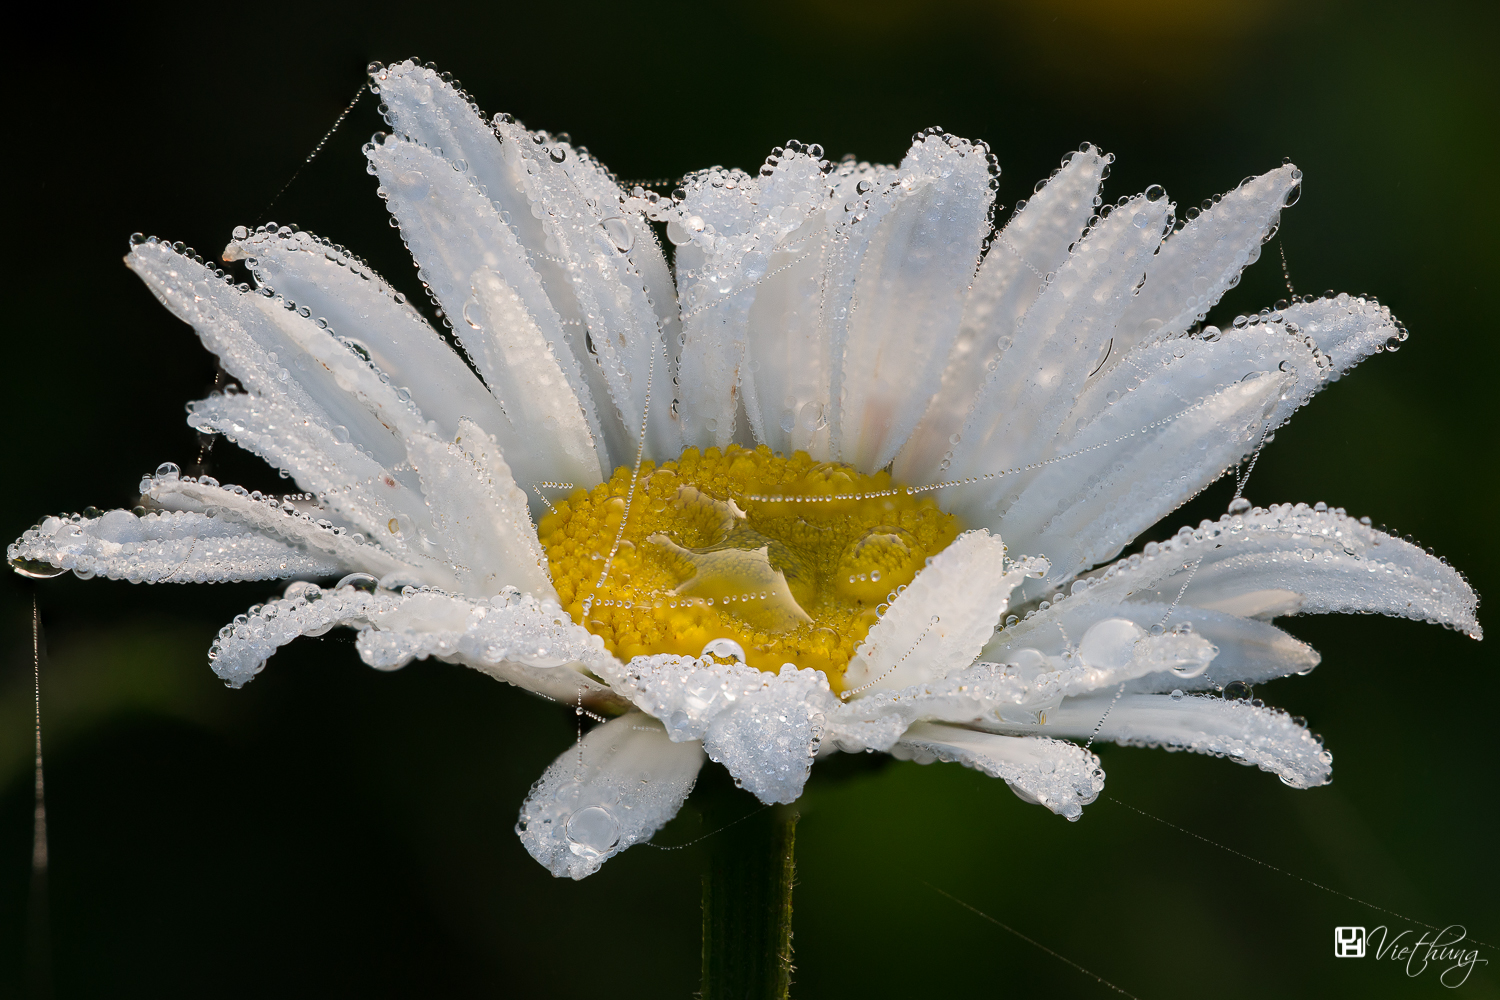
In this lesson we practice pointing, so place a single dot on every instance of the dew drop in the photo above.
(725, 649)
(619, 233)
(36, 569)
(592, 832)
(359, 581)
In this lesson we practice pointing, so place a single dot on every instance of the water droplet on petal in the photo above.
(592, 832)
(359, 581)
(725, 649)
(619, 233)
(36, 569)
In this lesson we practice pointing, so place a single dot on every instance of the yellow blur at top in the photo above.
(791, 559)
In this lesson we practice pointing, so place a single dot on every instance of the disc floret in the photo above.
(789, 559)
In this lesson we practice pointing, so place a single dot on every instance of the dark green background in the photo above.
(331, 829)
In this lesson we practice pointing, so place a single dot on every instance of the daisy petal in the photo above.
(599, 263)
(349, 482)
(168, 547)
(360, 309)
(274, 351)
(1058, 344)
(479, 513)
(469, 257)
(1303, 343)
(1240, 730)
(909, 294)
(1027, 685)
(1125, 471)
(790, 368)
(1199, 263)
(267, 516)
(1293, 560)
(1033, 244)
(942, 620)
(586, 227)
(1246, 649)
(1062, 776)
(512, 637)
(1346, 328)
(620, 784)
(244, 646)
(764, 728)
(726, 230)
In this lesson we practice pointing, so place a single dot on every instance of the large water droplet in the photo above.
(1236, 691)
(619, 233)
(170, 471)
(359, 581)
(592, 832)
(473, 313)
(1110, 644)
(725, 649)
(36, 569)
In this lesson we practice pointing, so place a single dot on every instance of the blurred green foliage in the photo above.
(333, 829)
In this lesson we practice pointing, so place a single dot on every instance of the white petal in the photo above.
(942, 620)
(169, 547)
(615, 789)
(1062, 776)
(585, 226)
(479, 513)
(512, 637)
(1240, 730)
(600, 264)
(459, 239)
(348, 481)
(244, 646)
(1199, 263)
(1247, 650)
(727, 229)
(790, 369)
(1290, 560)
(1028, 684)
(1060, 339)
(1124, 473)
(547, 426)
(300, 528)
(764, 728)
(1157, 377)
(1346, 328)
(909, 295)
(359, 308)
(273, 351)
(1033, 244)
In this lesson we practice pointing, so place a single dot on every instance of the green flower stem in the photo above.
(747, 902)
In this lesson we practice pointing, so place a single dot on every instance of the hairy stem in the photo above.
(747, 903)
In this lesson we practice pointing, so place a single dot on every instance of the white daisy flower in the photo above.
(752, 506)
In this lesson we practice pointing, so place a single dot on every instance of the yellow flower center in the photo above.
(740, 554)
